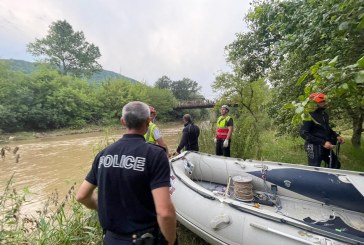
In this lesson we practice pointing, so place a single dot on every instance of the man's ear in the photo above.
(122, 121)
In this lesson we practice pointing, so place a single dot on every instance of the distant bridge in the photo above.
(198, 104)
(195, 104)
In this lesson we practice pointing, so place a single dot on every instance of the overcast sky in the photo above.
(141, 39)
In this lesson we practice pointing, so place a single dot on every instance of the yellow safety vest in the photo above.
(221, 129)
(149, 134)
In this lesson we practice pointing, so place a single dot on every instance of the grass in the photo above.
(186, 237)
(68, 222)
(290, 150)
(65, 222)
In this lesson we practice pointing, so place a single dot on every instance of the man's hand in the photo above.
(226, 143)
(328, 145)
(215, 140)
(340, 139)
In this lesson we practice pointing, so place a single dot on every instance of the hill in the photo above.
(29, 67)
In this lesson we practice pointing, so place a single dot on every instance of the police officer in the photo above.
(153, 134)
(319, 136)
(133, 179)
(224, 130)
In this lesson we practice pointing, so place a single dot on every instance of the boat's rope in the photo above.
(272, 197)
(243, 190)
(331, 217)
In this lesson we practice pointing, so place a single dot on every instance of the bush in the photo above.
(66, 222)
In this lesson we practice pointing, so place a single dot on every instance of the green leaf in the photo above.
(351, 67)
(301, 97)
(301, 79)
(360, 77)
(333, 61)
(288, 106)
(296, 119)
(345, 86)
(360, 62)
(299, 109)
(307, 90)
(306, 117)
(361, 24)
(304, 103)
(344, 26)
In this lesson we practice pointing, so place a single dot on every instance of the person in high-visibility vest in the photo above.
(224, 130)
(153, 135)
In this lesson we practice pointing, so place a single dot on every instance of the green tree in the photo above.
(250, 118)
(113, 94)
(44, 100)
(163, 83)
(286, 38)
(57, 101)
(186, 89)
(346, 97)
(163, 101)
(67, 50)
(13, 90)
(182, 90)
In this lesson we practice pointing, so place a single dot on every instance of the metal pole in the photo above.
(330, 164)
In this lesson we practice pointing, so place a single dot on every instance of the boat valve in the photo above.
(189, 167)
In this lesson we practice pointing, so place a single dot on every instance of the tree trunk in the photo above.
(357, 130)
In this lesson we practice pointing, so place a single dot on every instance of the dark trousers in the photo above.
(114, 239)
(220, 150)
(110, 240)
(317, 153)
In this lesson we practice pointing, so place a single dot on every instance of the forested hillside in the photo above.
(28, 67)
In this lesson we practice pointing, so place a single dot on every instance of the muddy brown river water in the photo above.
(55, 163)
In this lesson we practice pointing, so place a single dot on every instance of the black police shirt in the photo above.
(126, 172)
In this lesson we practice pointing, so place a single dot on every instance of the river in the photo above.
(50, 164)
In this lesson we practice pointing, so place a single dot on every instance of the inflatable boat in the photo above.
(235, 201)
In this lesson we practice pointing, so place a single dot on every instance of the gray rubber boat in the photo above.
(235, 201)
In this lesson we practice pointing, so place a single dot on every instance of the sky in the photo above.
(140, 39)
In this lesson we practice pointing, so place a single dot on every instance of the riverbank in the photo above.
(7, 137)
(26, 135)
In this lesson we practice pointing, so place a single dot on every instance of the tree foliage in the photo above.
(163, 83)
(43, 100)
(67, 50)
(46, 100)
(346, 97)
(185, 89)
(287, 38)
(250, 118)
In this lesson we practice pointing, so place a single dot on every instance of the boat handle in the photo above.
(220, 222)
(264, 228)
